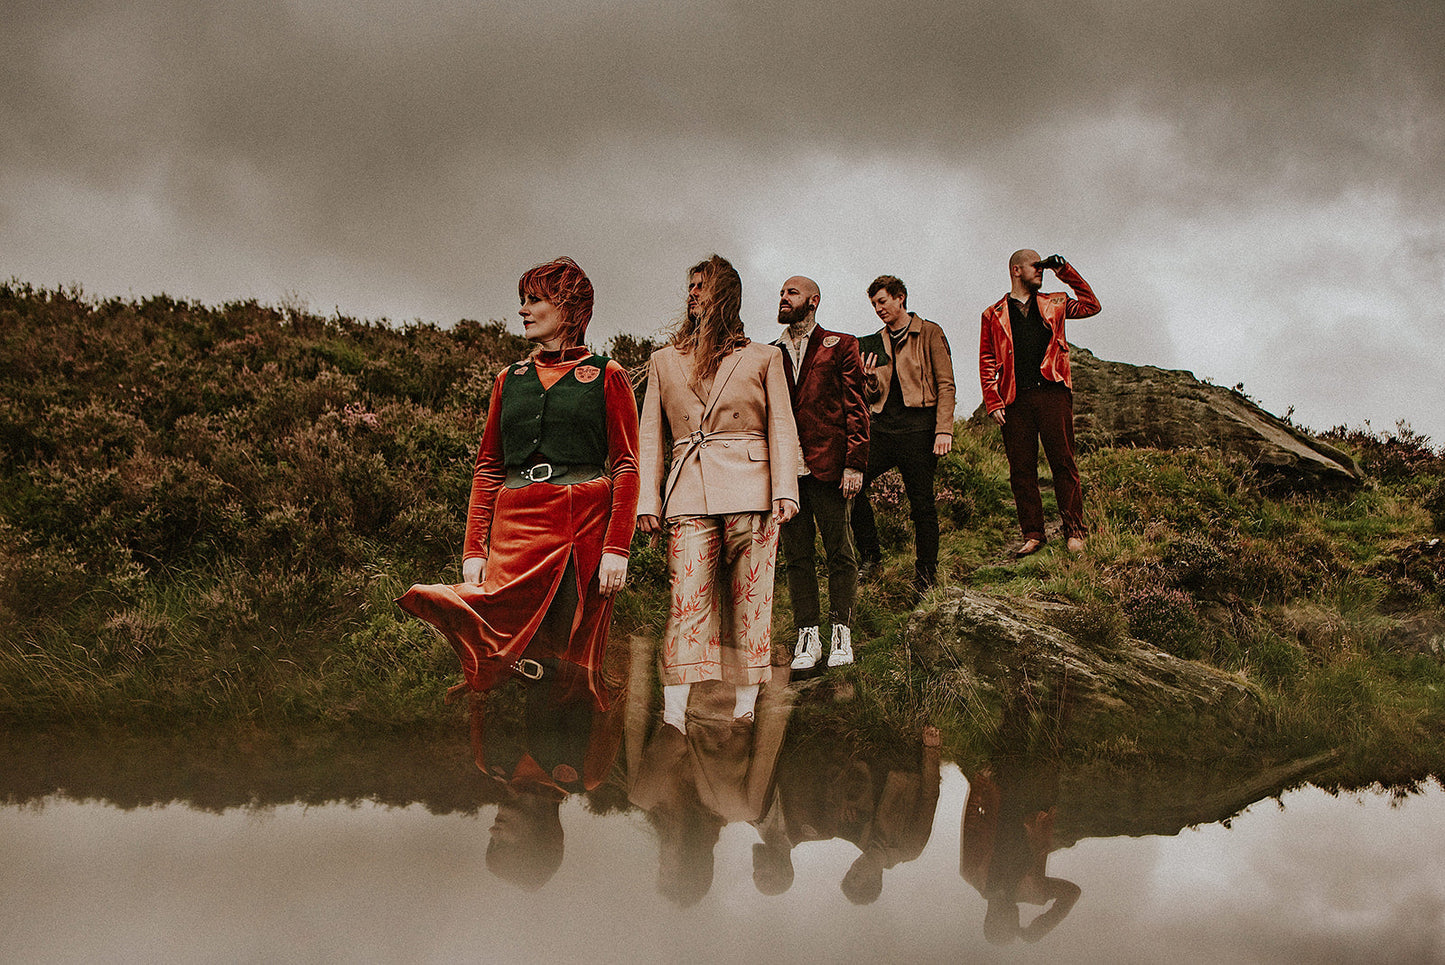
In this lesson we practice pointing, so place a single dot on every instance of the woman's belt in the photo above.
(519, 476)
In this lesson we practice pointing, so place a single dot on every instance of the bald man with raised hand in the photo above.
(825, 381)
(1023, 363)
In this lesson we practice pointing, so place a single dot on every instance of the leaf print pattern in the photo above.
(719, 624)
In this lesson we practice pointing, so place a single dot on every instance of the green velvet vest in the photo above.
(565, 425)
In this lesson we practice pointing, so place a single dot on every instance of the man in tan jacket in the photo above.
(908, 381)
(720, 404)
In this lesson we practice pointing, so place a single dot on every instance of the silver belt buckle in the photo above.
(528, 668)
(530, 473)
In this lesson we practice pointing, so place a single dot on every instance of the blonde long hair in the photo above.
(717, 330)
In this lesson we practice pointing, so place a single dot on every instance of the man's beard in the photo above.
(791, 316)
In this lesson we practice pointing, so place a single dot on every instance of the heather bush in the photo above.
(1101, 626)
(1167, 618)
(1396, 456)
(228, 474)
(1435, 505)
(1197, 563)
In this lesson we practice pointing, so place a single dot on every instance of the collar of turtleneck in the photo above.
(565, 356)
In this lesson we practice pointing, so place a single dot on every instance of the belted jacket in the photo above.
(734, 451)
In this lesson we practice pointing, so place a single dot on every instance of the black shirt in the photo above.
(1031, 340)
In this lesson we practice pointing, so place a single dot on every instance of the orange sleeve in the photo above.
(1084, 303)
(621, 458)
(487, 478)
(989, 359)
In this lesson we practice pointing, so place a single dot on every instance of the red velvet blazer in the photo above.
(828, 404)
(996, 343)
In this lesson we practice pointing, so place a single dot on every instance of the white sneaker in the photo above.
(841, 652)
(810, 648)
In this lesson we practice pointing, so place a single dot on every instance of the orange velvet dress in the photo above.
(533, 538)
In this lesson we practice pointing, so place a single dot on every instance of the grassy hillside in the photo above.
(205, 513)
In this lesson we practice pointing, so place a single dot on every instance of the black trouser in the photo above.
(822, 503)
(912, 454)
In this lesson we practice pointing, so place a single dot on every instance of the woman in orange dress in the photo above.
(553, 507)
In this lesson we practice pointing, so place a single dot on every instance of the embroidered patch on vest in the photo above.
(520, 370)
(586, 373)
(830, 341)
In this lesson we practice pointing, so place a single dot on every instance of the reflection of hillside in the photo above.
(209, 771)
(1104, 800)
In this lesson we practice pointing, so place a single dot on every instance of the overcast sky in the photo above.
(1255, 190)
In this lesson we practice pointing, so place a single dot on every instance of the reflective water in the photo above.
(803, 828)
(1312, 879)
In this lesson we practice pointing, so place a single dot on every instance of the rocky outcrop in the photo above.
(1003, 647)
(1118, 404)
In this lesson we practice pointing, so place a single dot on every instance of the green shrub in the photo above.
(1099, 626)
(1435, 505)
(1196, 563)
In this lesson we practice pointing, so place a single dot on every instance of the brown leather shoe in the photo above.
(1030, 547)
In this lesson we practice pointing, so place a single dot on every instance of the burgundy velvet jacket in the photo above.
(828, 404)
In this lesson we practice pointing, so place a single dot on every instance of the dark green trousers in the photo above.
(822, 509)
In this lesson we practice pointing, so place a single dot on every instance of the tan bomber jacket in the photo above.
(924, 368)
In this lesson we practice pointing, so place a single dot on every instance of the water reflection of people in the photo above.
(540, 744)
(549, 527)
(870, 796)
(1007, 834)
(715, 770)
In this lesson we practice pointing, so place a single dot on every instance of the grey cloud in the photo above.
(408, 161)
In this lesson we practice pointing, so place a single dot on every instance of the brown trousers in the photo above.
(1044, 414)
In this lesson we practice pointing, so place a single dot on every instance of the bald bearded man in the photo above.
(825, 380)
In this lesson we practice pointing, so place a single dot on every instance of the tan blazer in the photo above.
(734, 452)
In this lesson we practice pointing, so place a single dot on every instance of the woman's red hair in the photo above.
(562, 283)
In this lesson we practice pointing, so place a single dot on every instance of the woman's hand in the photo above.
(784, 509)
(474, 569)
(612, 572)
